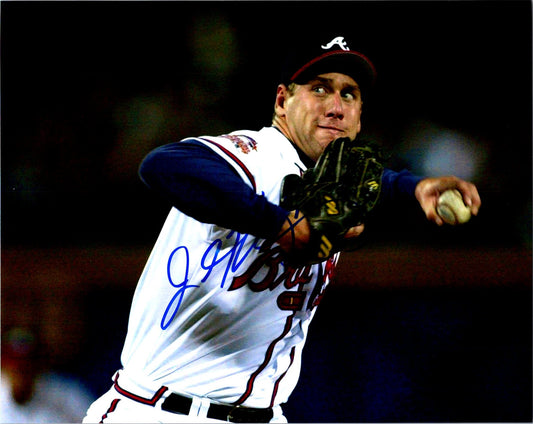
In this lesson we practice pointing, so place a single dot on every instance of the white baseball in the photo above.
(452, 209)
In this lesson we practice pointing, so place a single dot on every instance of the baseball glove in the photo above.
(335, 195)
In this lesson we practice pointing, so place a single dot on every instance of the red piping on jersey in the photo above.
(275, 392)
(140, 399)
(268, 357)
(237, 161)
(111, 409)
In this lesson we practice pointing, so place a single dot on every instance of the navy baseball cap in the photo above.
(327, 54)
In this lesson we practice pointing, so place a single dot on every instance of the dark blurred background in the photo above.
(422, 323)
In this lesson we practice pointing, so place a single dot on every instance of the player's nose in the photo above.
(334, 108)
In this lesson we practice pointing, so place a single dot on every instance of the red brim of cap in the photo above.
(351, 63)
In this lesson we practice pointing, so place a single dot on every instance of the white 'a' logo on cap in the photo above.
(337, 40)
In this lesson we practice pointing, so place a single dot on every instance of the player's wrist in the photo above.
(295, 232)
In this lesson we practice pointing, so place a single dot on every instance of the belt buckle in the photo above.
(230, 418)
(251, 415)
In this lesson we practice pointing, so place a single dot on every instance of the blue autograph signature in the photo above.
(211, 259)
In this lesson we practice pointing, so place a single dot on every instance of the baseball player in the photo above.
(219, 318)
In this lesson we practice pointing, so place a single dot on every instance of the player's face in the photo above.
(326, 108)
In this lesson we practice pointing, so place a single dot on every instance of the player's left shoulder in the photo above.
(238, 145)
(264, 140)
(244, 142)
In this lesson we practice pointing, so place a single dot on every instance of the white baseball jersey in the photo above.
(217, 313)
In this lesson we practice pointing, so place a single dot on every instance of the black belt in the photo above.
(236, 414)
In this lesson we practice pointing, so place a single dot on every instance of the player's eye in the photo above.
(349, 96)
(352, 95)
(319, 89)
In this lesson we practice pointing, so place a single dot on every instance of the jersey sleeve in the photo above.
(203, 185)
(398, 186)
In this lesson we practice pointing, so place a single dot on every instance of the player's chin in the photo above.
(324, 140)
(321, 139)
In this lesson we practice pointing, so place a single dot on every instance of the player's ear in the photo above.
(281, 97)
